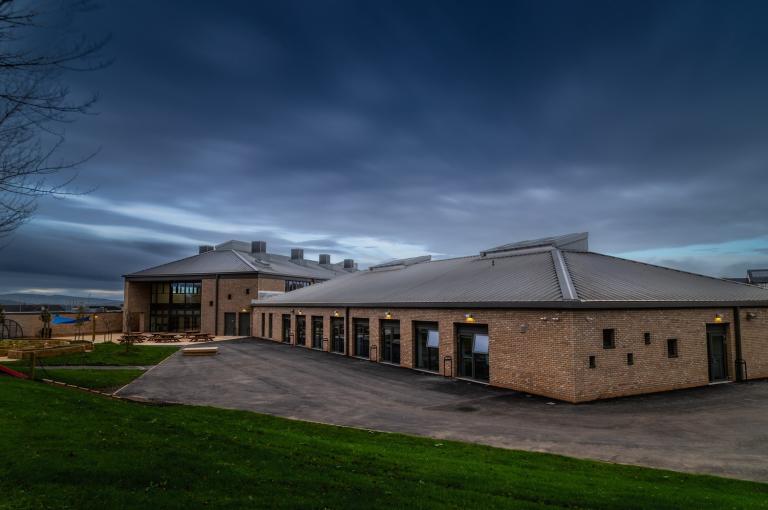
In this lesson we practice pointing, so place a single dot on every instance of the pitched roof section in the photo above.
(576, 242)
(522, 278)
(526, 275)
(228, 261)
(602, 278)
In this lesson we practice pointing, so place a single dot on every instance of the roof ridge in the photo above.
(171, 262)
(563, 276)
(247, 262)
(662, 267)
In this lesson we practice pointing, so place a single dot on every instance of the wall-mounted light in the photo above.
(751, 316)
(300, 312)
(523, 328)
(718, 318)
(335, 313)
(388, 315)
(243, 310)
(468, 317)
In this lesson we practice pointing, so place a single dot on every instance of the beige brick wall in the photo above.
(137, 296)
(546, 352)
(653, 370)
(235, 295)
(31, 325)
(754, 341)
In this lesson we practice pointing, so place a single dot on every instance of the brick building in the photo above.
(212, 291)
(547, 317)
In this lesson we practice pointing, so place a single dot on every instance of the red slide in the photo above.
(12, 373)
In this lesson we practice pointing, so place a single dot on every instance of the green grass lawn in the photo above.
(103, 380)
(110, 354)
(67, 449)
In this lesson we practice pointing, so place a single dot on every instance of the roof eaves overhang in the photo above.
(524, 305)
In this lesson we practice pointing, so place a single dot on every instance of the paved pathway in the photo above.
(721, 429)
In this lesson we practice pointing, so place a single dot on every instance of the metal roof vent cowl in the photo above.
(258, 247)
(204, 248)
(297, 254)
(324, 259)
(349, 263)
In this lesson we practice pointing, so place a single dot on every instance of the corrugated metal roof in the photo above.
(546, 277)
(577, 241)
(470, 279)
(600, 277)
(226, 261)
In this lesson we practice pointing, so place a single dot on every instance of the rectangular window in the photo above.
(296, 284)
(263, 324)
(592, 363)
(338, 340)
(480, 345)
(270, 325)
(609, 338)
(286, 328)
(647, 338)
(672, 348)
(301, 330)
(630, 358)
(427, 343)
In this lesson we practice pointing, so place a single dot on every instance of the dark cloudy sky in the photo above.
(381, 129)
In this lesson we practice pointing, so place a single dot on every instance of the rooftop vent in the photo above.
(204, 248)
(570, 242)
(297, 254)
(258, 247)
(349, 263)
(325, 259)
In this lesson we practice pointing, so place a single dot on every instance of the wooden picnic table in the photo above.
(201, 337)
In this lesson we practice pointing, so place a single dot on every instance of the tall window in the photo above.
(427, 346)
(362, 338)
(270, 325)
(175, 306)
(609, 338)
(317, 332)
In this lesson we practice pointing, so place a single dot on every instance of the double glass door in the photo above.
(286, 328)
(390, 341)
(427, 346)
(362, 338)
(301, 330)
(317, 332)
(473, 352)
(337, 335)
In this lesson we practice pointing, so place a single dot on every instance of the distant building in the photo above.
(757, 277)
(212, 291)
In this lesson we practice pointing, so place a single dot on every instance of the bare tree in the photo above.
(35, 104)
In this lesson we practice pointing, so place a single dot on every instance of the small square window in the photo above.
(672, 348)
(630, 358)
(247, 291)
(647, 338)
(592, 363)
(609, 338)
(229, 296)
(210, 303)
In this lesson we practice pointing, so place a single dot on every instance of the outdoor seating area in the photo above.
(165, 338)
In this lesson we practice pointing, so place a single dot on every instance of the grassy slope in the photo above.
(104, 380)
(69, 449)
(111, 354)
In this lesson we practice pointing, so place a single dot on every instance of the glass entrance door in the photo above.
(286, 328)
(362, 338)
(230, 324)
(244, 324)
(317, 332)
(301, 330)
(390, 342)
(473, 352)
(716, 349)
(427, 342)
(337, 335)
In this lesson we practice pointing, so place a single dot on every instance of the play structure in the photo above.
(12, 373)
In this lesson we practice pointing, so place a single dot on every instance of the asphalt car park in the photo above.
(720, 429)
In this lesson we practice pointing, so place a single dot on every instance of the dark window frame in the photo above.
(673, 350)
(592, 362)
(647, 338)
(609, 338)
(630, 358)
(270, 325)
